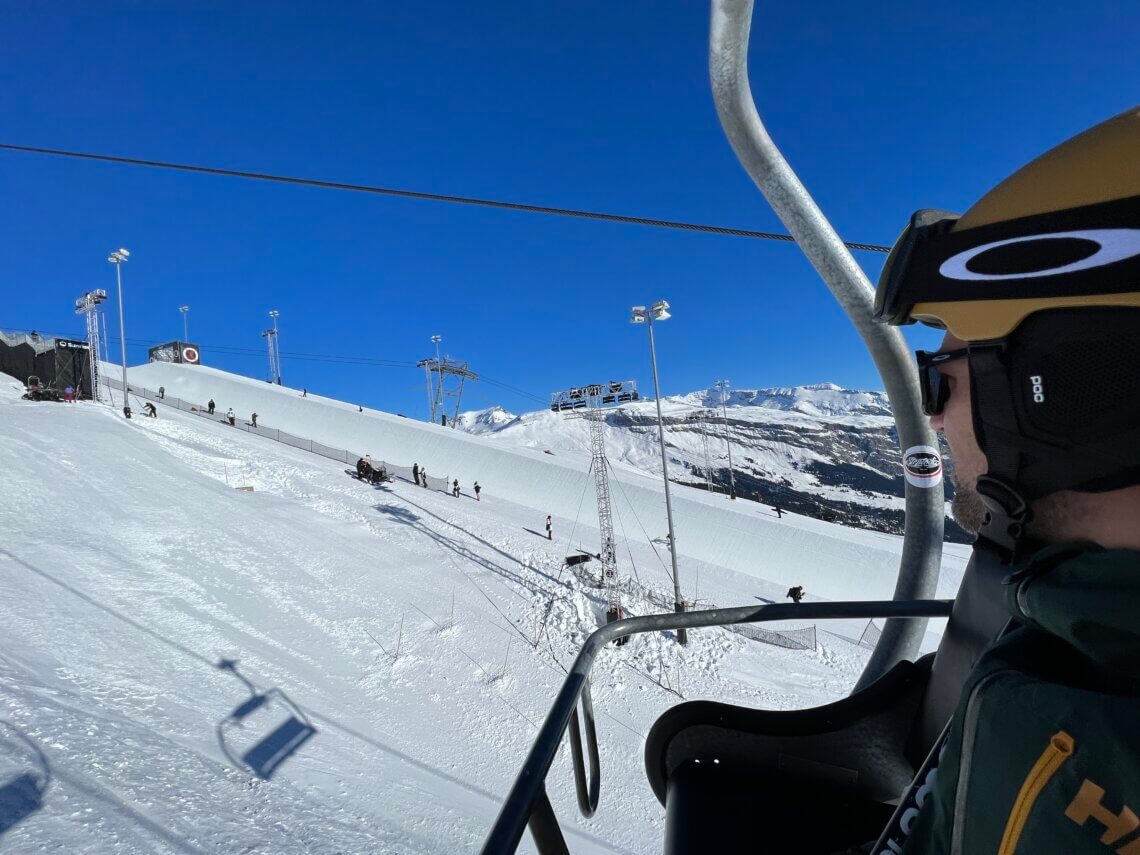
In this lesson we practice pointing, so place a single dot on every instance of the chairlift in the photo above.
(730, 777)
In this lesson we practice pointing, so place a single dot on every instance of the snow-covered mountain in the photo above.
(820, 450)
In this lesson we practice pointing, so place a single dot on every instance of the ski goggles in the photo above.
(935, 388)
(982, 281)
(893, 299)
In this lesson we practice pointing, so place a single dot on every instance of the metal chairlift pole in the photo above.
(922, 543)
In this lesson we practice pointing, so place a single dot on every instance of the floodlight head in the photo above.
(437, 339)
(114, 259)
(273, 313)
(637, 315)
(660, 310)
(660, 305)
(125, 253)
(184, 308)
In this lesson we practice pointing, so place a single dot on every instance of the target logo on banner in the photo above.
(190, 355)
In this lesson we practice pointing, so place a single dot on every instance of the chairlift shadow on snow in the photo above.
(25, 776)
(264, 730)
(398, 513)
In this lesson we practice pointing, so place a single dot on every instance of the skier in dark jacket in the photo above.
(1036, 390)
(416, 473)
(150, 410)
(455, 488)
(210, 407)
(796, 593)
(253, 420)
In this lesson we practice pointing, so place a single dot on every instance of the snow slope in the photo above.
(742, 536)
(400, 622)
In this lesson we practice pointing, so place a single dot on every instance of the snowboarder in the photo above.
(253, 420)
(549, 527)
(779, 512)
(796, 593)
(210, 407)
(150, 410)
(162, 393)
(416, 473)
(231, 417)
(477, 489)
(455, 488)
(361, 469)
(304, 393)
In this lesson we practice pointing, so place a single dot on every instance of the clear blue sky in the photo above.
(880, 108)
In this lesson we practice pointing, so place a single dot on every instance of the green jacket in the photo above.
(1043, 755)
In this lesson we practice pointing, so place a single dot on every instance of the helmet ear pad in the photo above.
(1057, 403)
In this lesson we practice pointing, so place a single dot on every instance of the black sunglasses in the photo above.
(934, 387)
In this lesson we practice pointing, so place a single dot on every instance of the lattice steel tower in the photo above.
(88, 305)
(590, 402)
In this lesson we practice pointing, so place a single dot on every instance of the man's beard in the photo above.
(967, 507)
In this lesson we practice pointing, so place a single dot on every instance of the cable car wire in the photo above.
(431, 197)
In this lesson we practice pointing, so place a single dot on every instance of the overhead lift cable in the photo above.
(431, 197)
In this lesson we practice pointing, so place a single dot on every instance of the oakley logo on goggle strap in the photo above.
(1071, 252)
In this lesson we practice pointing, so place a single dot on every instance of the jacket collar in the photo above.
(1086, 595)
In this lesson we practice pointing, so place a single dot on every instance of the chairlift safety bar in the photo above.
(528, 802)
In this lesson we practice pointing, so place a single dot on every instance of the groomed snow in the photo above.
(133, 565)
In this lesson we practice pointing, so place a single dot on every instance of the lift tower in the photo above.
(591, 402)
(450, 375)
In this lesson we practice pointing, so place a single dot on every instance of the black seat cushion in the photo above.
(854, 744)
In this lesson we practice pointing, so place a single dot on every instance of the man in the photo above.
(1037, 389)
(253, 420)
(478, 490)
(231, 417)
(150, 410)
(796, 593)
(549, 528)
(416, 473)
(210, 407)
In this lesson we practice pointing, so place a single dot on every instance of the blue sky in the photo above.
(880, 108)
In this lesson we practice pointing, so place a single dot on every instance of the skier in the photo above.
(416, 473)
(304, 393)
(162, 393)
(253, 420)
(549, 527)
(779, 512)
(150, 410)
(230, 417)
(455, 488)
(361, 469)
(210, 407)
(796, 593)
(1035, 389)
(477, 490)
(69, 394)
(423, 476)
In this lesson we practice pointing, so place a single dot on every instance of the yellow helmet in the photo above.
(1062, 232)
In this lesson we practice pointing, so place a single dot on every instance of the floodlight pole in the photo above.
(678, 603)
(438, 377)
(117, 258)
(276, 345)
(723, 386)
(185, 310)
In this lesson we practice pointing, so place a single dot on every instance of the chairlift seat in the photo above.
(825, 777)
